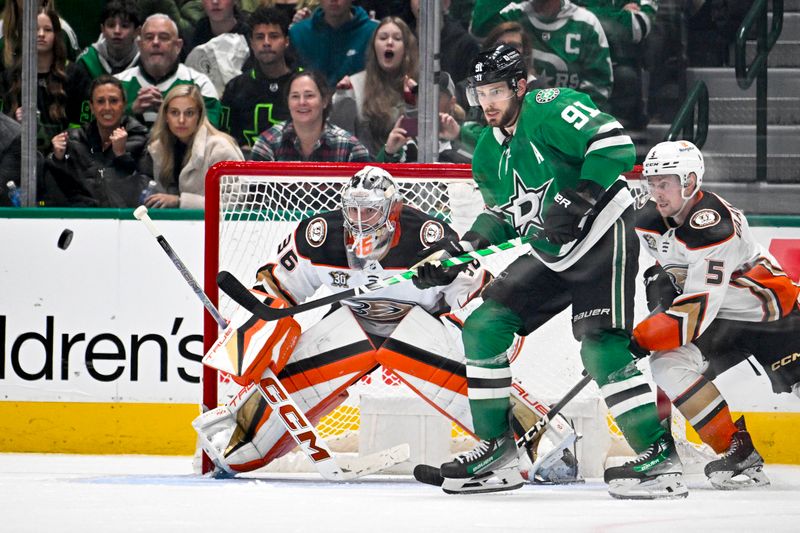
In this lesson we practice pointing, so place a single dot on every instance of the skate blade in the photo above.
(749, 478)
(502, 480)
(663, 487)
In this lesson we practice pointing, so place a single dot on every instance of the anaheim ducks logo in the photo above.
(316, 231)
(677, 275)
(380, 310)
(705, 218)
(546, 95)
(650, 240)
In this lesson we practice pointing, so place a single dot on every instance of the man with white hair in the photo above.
(716, 297)
(159, 71)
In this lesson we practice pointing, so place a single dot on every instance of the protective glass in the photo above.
(488, 94)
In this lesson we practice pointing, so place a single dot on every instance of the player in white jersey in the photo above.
(401, 327)
(716, 297)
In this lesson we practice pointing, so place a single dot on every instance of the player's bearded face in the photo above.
(501, 113)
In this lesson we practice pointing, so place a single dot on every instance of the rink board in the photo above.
(100, 343)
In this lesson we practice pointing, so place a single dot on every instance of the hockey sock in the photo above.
(627, 393)
(707, 411)
(488, 333)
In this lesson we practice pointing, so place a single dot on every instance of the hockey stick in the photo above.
(431, 475)
(296, 422)
(239, 293)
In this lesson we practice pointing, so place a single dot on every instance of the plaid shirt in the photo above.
(281, 143)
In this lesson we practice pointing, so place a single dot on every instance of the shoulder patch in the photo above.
(546, 95)
(709, 224)
(650, 240)
(316, 232)
(705, 218)
(431, 232)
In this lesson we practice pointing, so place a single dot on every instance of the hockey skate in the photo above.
(741, 461)
(492, 466)
(655, 473)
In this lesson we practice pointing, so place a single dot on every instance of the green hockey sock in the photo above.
(627, 393)
(488, 333)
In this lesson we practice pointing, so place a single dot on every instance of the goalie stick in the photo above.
(330, 466)
(239, 293)
(431, 475)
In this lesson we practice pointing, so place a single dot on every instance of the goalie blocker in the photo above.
(247, 434)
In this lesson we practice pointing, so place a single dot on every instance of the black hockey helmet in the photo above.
(501, 63)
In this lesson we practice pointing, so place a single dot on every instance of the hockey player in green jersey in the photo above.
(549, 168)
(569, 45)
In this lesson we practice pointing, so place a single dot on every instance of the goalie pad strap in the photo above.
(326, 366)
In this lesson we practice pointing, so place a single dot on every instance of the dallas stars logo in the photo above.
(524, 207)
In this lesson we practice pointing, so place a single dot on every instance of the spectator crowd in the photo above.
(163, 89)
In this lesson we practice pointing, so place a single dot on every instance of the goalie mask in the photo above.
(679, 158)
(371, 204)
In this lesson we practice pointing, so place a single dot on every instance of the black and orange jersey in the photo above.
(314, 256)
(722, 271)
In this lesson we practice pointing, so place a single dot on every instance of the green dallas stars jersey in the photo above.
(561, 138)
(133, 79)
(570, 50)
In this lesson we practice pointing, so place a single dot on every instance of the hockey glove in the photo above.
(430, 275)
(660, 288)
(561, 225)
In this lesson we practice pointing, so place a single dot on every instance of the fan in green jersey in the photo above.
(549, 167)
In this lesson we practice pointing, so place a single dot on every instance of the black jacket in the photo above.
(92, 177)
(10, 156)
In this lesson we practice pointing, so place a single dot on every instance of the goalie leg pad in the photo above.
(329, 357)
(428, 358)
(218, 429)
(557, 464)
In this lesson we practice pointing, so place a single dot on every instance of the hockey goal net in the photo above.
(251, 207)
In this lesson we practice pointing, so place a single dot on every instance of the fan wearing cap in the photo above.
(716, 297)
(549, 168)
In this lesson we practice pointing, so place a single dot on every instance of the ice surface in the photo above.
(72, 493)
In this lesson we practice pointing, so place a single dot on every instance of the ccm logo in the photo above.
(785, 361)
(297, 423)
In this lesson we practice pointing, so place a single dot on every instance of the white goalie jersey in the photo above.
(314, 255)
